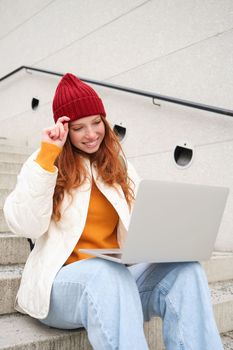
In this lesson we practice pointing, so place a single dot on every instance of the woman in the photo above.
(77, 191)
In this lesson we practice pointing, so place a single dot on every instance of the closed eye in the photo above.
(77, 129)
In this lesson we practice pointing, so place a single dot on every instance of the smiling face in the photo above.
(87, 133)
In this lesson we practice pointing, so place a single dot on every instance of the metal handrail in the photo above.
(152, 95)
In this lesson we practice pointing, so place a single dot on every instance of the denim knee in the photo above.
(192, 271)
(108, 274)
(109, 302)
(185, 272)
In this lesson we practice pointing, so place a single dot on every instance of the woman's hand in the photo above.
(57, 134)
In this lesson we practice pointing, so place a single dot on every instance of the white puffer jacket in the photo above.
(28, 211)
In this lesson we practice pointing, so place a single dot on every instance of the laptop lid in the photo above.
(174, 222)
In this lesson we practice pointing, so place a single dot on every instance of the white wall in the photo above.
(178, 48)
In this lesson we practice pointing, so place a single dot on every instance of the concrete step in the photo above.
(7, 188)
(227, 340)
(3, 224)
(12, 147)
(9, 284)
(8, 180)
(222, 300)
(13, 249)
(12, 157)
(219, 267)
(10, 168)
(20, 332)
(153, 332)
(3, 194)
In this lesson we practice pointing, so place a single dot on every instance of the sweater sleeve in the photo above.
(47, 155)
(28, 208)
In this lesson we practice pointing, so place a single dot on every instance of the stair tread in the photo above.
(227, 339)
(8, 234)
(11, 271)
(221, 291)
(6, 188)
(11, 146)
(13, 249)
(21, 330)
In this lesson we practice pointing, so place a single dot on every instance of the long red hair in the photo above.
(110, 162)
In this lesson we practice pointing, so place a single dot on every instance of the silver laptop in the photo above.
(170, 222)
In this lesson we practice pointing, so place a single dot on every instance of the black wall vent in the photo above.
(183, 155)
(35, 103)
(120, 131)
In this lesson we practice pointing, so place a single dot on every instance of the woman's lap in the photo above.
(73, 279)
(70, 284)
(96, 291)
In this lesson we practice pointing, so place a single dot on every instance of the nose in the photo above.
(90, 133)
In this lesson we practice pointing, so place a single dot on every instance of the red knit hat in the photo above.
(75, 99)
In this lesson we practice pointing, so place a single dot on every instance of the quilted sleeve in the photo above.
(29, 206)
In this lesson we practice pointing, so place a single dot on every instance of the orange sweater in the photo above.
(102, 219)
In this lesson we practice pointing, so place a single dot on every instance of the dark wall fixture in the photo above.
(35, 103)
(183, 155)
(120, 131)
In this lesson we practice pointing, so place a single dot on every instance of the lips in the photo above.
(91, 144)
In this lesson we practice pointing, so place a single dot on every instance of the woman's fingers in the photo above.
(63, 119)
(54, 133)
(66, 127)
(61, 131)
(58, 131)
(62, 127)
(57, 134)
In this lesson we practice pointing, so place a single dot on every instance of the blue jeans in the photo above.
(111, 301)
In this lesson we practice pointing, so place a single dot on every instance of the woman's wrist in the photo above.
(47, 155)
